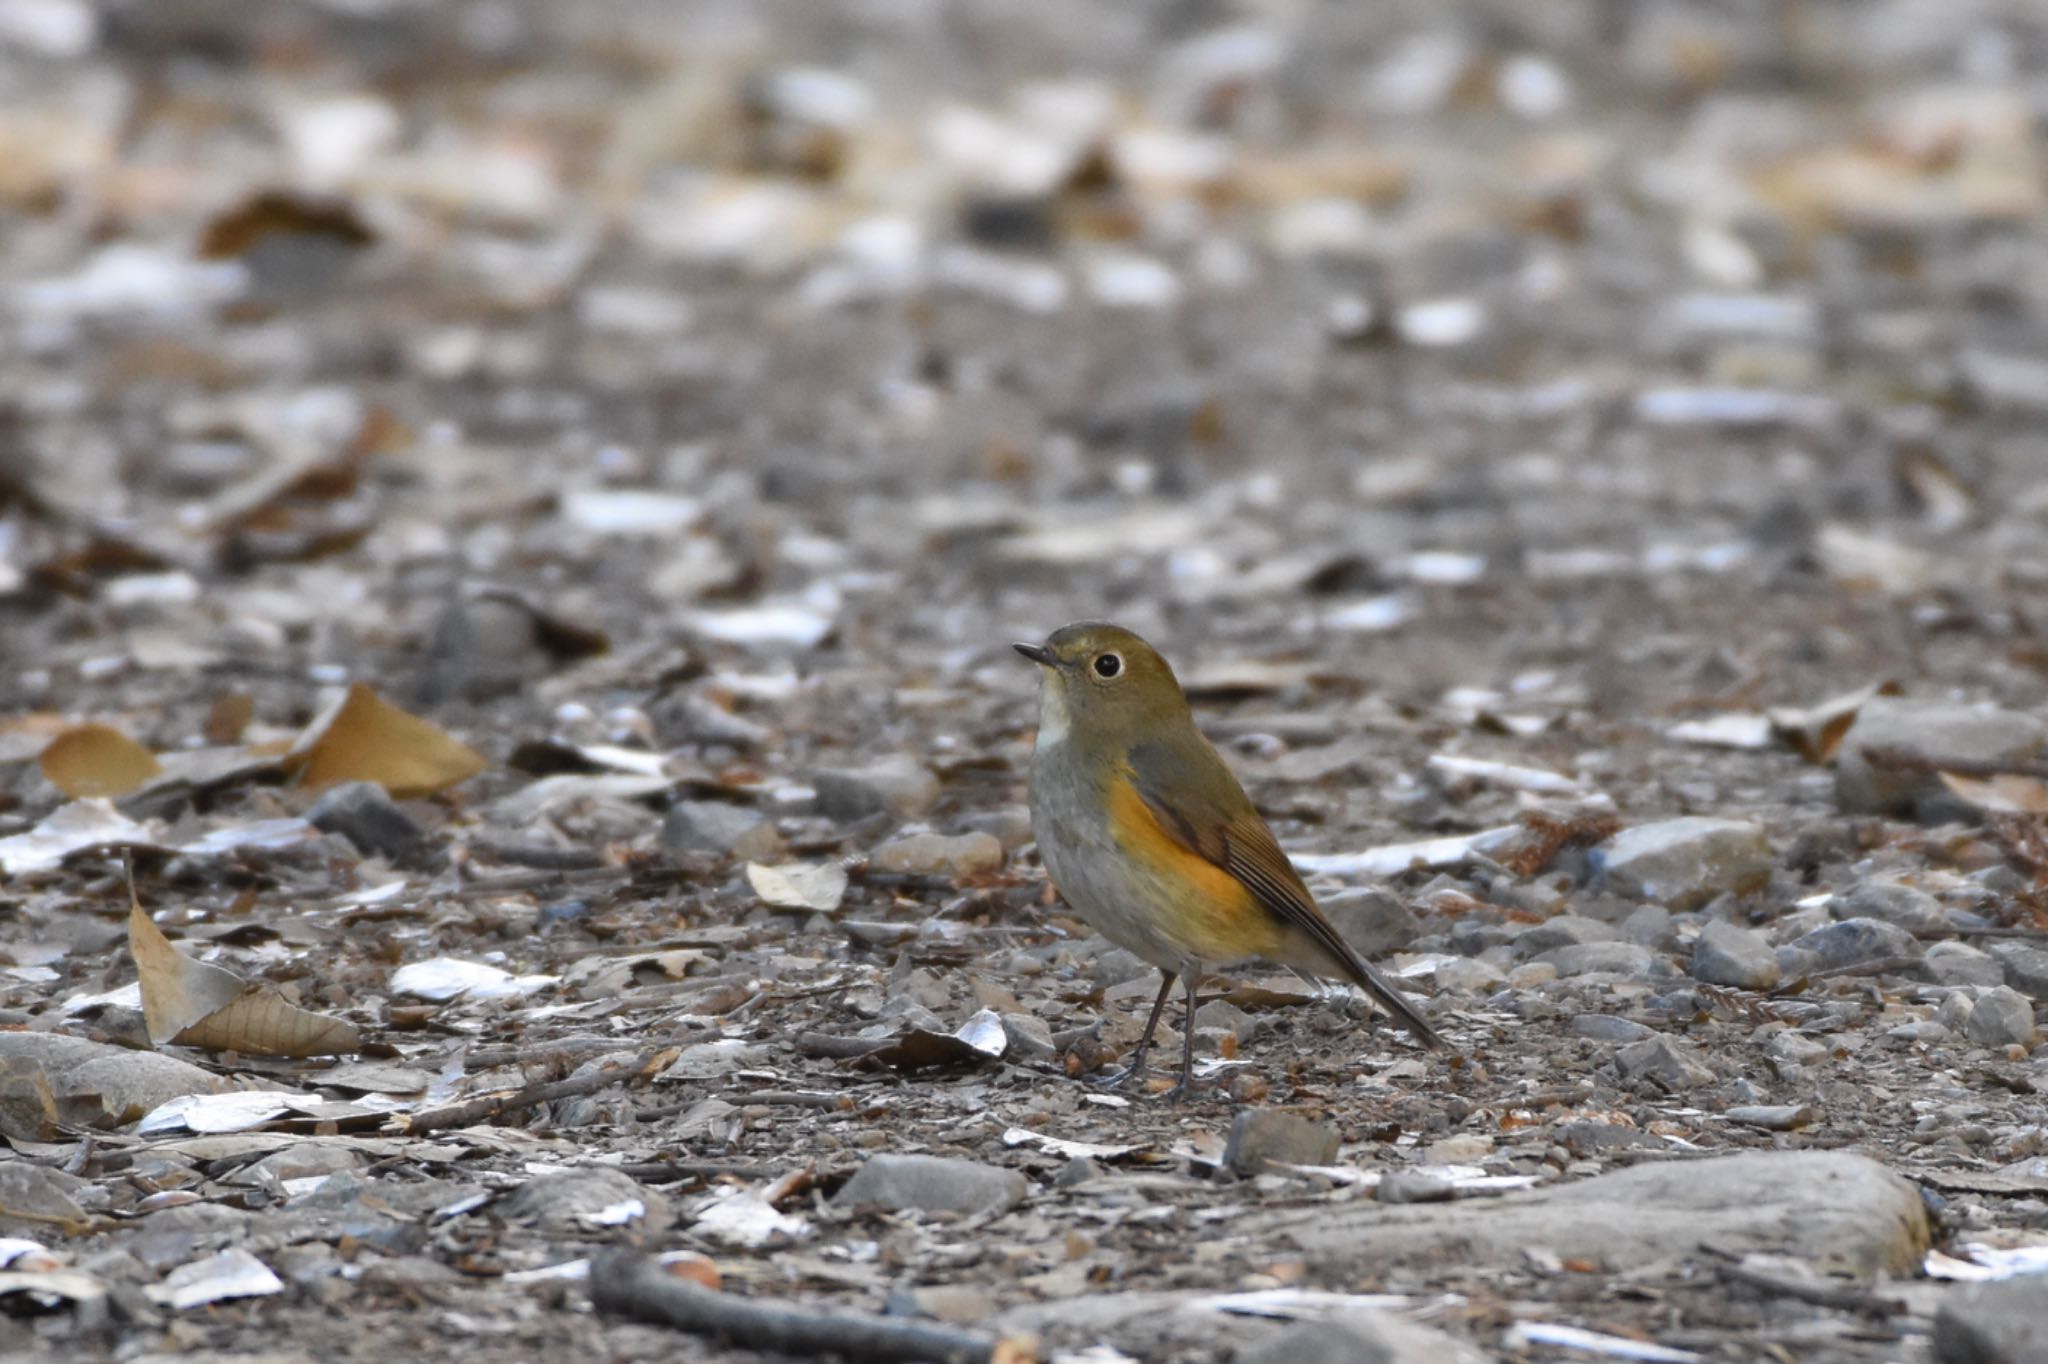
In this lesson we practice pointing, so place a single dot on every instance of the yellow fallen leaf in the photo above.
(2007, 793)
(363, 737)
(1815, 732)
(198, 1004)
(97, 760)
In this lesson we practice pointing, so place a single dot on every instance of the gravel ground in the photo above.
(512, 516)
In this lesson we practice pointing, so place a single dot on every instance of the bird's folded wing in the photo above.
(1199, 803)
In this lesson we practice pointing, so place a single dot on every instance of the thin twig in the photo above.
(673, 1171)
(471, 1112)
(627, 1283)
(837, 1048)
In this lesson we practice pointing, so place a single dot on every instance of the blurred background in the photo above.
(1591, 358)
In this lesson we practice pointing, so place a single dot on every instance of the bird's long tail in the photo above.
(1390, 997)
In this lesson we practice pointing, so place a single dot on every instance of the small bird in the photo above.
(1150, 838)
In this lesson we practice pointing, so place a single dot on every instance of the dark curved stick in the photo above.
(627, 1283)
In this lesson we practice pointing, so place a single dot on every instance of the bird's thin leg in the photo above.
(1187, 1045)
(1137, 1065)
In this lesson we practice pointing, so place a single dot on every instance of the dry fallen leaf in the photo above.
(2007, 793)
(198, 1004)
(1815, 732)
(797, 886)
(97, 760)
(363, 737)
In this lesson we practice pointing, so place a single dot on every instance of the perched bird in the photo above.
(1150, 838)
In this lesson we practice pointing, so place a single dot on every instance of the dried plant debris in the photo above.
(511, 520)
(197, 1004)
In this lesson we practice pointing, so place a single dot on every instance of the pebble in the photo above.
(2001, 1322)
(2002, 1017)
(1030, 1037)
(939, 855)
(1662, 1060)
(1729, 954)
(1413, 1186)
(1355, 1337)
(936, 1184)
(1010, 824)
(1650, 925)
(1470, 975)
(1683, 863)
(577, 1200)
(1372, 920)
(366, 816)
(1263, 1136)
(1607, 958)
(720, 827)
(1925, 726)
(1958, 963)
(1774, 1117)
(1853, 942)
(1909, 907)
(894, 786)
(2026, 968)
(1565, 930)
(1796, 1049)
(1608, 1028)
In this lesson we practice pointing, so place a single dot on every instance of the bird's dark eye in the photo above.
(1108, 665)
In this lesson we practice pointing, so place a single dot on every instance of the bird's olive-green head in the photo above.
(1102, 681)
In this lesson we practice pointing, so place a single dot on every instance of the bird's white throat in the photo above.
(1053, 717)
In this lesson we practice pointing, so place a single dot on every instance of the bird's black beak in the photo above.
(1037, 653)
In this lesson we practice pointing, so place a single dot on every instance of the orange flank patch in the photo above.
(1210, 910)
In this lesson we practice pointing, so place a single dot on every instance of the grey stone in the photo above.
(1470, 976)
(940, 855)
(1585, 1139)
(1263, 1135)
(895, 786)
(1219, 1018)
(1958, 963)
(1854, 942)
(1938, 727)
(719, 827)
(1565, 930)
(1372, 920)
(361, 812)
(2001, 1322)
(1413, 1186)
(1650, 925)
(1774, 1117)
(35, 1200)
(1010, 825)
(1796, 963)
(1030, 1037)
(1796, 1048)
(1608, 1028)
(1838, 1211)
(1683, 863)
(934, 1184)
(1909, 907)
(125, 1084)
(1729, 954)
(584, 1200)
(1358, 1338)
(685, 717)
(1607, 958)
(2026, 968)
(1663, 1061)
(2002, 1017)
